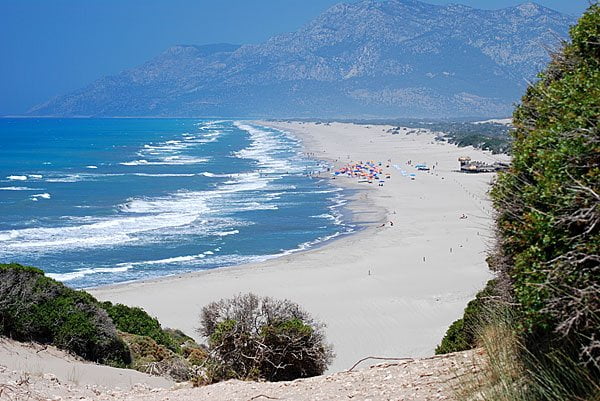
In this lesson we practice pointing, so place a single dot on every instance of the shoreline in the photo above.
(351, 208)
(386, 291)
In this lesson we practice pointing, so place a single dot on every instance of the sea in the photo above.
(94, 202)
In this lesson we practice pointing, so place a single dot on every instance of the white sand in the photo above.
(442, 377)
(405, 305)
(35, 360)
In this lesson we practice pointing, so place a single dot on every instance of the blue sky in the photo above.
(50, 47)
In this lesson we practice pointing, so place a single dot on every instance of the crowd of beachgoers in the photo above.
(377, 172)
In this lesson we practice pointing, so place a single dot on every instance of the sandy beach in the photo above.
(385, 291)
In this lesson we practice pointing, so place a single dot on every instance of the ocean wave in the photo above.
(192, 261)
(318, 241)
(80, 273)
(263, 147)
(169, 152)
(174, 203)
(91, 167)
(20, 189)
(166, 261)
(167, 161)
(17, 177)
(326, 216)
(108, 232)
(36, 197)
(147, 219)
(213, 175)
(164, 175)
(92, 177)
(206, 125)
(321, 191)
(125, 266)
(67, 178)
(77, 177)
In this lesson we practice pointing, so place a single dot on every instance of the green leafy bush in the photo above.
(179, 337)
(34, 307)
(549, 202)
(262, 338)
(462, 334)
(136, 321)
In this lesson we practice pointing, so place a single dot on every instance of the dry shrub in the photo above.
(253, 337)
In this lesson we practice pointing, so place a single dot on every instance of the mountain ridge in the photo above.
(402, 58)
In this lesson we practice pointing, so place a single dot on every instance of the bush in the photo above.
(154, 358)
(262, 338)
(136, 321)
(36, 308)
(462, 334)
(179, 337)
(549, 202)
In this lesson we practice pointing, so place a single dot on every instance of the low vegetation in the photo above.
(488, 136)
(34, 307)
(157, 359)
(492, 136)
(250, 337)
(137, 321)
(546, 346)
(462, 334)
(512, 372)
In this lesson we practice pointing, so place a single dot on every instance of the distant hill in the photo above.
(367, 59)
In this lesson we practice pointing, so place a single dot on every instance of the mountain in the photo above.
(400, 58)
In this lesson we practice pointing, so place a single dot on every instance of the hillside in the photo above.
(422, 379)
(366, 59)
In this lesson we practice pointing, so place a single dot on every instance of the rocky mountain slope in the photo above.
(371, 58)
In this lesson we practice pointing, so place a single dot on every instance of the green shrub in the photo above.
(462, 334)
(36, 308)
(179, 337)
(136, 321)
(262, 338)
(548, 221)
(549, 202)
(154, 358)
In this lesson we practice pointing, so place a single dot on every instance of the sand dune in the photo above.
(29, 363)
(437, 378)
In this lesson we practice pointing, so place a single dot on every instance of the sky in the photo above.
(51, 47)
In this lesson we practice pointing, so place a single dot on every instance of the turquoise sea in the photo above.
(101, 201)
